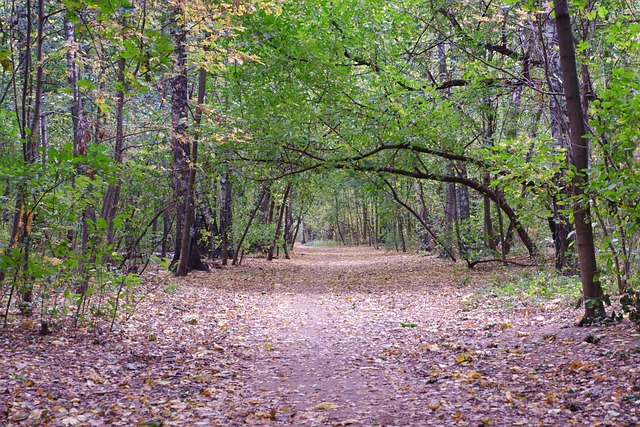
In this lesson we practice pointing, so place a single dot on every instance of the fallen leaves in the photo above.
(464, 358)
(325, 405)
(331, 338)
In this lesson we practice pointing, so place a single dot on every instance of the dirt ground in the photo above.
(335, 336)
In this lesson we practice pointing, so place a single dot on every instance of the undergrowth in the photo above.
(536, 287)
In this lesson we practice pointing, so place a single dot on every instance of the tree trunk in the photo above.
(180, 144)
(112, 196)
(278, 230)
(450, 214)
(29, 122)
(263, 193)
(559, 224)
(226, 217)
(81, 138)
(591, 289)
(189, 254)
(401, 232)
(423, 218)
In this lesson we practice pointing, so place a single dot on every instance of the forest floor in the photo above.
(333, 337)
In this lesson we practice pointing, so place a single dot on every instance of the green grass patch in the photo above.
(534, 287)
(171, 289)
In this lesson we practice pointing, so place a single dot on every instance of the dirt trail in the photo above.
(332, 337)
(355, 336)
(330, 326)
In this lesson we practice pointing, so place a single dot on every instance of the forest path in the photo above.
(333, 337)
(327, 329)
(357, 336)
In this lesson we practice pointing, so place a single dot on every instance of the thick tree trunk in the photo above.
(591, 289)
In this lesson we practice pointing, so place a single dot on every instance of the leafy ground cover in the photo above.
(336, 336)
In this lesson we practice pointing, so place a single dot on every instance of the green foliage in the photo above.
(537, 288)
(171, 289)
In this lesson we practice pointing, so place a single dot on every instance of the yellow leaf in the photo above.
(575, 365)
(506, 324)
(473, 375)
(53, 260)
(464, 357)
(268, 347)
(191, 320)
(325, 405)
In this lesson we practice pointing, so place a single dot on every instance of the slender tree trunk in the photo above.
(29, 122)
(112, 196)
(180, 144)
(337, 219)
(81, 138)
(263, 193)
(401, 232)
(188, 244)
(559, 224)
(226, 216)
(591, 289)
(166, 230)
(488, 124)
(450, 214)
(278, 230)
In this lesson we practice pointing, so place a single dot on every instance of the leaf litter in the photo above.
(335, 336)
